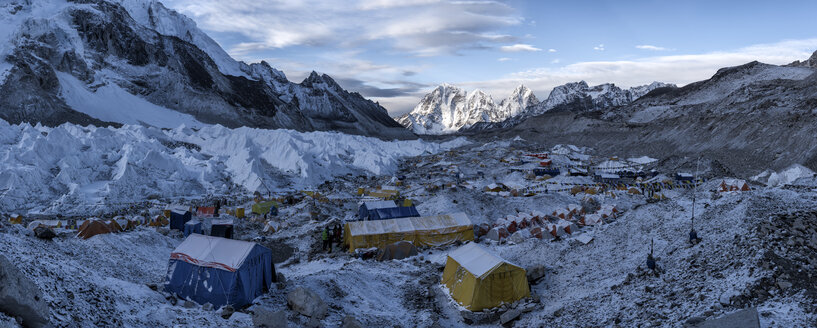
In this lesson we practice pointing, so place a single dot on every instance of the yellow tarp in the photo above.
(479, 280)
(239, 212)
(263, 207)
(422, 231)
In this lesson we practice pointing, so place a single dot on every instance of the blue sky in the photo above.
(396, 51)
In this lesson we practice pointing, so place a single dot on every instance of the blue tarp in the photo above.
(216, 283)
(191, 227)
(177, 220)
(393, 213)
(551, 172)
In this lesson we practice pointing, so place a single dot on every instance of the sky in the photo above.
(396, 51)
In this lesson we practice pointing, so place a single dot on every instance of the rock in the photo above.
(783, 285)
(173, 301)
(265, 317)
(207, 307)
(279, 278)
(695, 320)
(307, 302)
(189, 304)
(649, 288)
(44, 233)
(227, 311)
(726, 298)
(153, 287)
(20, 297)
(535, 273)
(590, 205)
(746, 318)
(313, 323)
(350, 322)
(509, 316)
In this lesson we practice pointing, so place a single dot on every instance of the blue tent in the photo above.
(222, 228)
(393, 213)
(366, 207)
(191, 227)
(219, 271)
(179, 215)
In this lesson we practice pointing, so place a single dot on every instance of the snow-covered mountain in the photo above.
(138, 62)
(447, 109)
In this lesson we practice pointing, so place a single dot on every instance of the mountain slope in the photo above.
(58, 55)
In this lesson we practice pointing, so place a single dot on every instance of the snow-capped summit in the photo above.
(447, 109)
(138, 62)
(579, 96)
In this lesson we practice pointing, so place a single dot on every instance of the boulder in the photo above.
(535, 273)
(266, 317)
(520, 236)
(307, 302)
(227, 311)
(590, 205)
(509, 316)
(20, 297)
(746, 318)
(350, 322)
(44, 233)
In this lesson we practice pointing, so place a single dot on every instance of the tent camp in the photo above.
(422, 231)
(191, 227)
(397, 251)
(93, 227)
(262, 208)
(733, 185)
(478, 279)
(222, 228)
(179, 215)
(219, 271)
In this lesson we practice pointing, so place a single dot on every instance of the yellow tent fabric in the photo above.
(478, 279)
(239, 212)
(263, 207)
(422, 231)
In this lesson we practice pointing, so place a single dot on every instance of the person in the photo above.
(693, 237)
(218, 207)
(325, 237)
(338, 232)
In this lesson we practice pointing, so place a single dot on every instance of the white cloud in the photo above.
(599, 47)
(650, 47)
(555, 61)
(419, 27)
(551, 50)
(504, 59)
(519, 47)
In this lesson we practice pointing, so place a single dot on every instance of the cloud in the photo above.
(418, 27)
(551, 50)
(555, 61)
(405, 88)
(519, 47)
(678, 69)
(649, 47)
(504, 59)
(599, 47)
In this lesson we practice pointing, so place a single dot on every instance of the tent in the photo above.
(205, 212)
(219, 271)
(734, 185)
(222, 228)
(179, 215)
(478, 279)
(93, 227)
(262, 208)
(422, 231)
(393, 213)
(114, 226)
(397, 251)
(367, 207)
(191, 227)
(158, 221)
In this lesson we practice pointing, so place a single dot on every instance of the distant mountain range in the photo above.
(449, 109)
(137, 62)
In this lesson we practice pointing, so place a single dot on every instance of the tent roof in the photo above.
(213, 252)
(222, 222)
(377, 227)
(476, 259)
(371, 205)
(180, 209)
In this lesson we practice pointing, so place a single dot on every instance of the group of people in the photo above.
(329, 236)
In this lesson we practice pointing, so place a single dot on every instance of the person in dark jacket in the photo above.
(338, 234)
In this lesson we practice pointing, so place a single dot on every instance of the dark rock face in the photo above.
(20, 297)
(105, 45)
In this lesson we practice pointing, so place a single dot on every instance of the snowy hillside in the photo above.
(66, 61)
(71, 168)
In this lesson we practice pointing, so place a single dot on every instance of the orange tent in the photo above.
(91, 228)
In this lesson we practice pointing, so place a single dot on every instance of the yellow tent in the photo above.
(478, 279)
(422, 231)
(263, 207)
